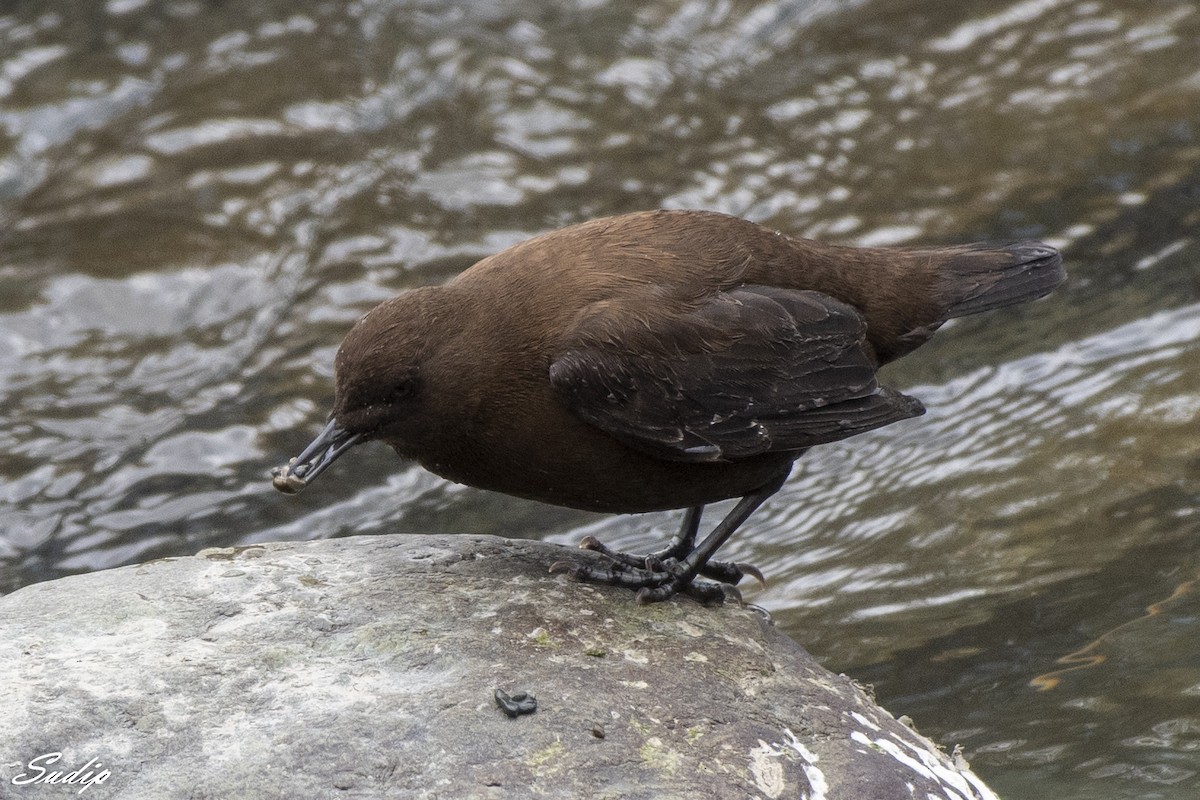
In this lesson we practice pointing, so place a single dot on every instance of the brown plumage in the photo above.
(654, 360)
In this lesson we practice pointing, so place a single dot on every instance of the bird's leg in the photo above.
(684, 539)
(681, 544)
(676, 576)
(686, 570)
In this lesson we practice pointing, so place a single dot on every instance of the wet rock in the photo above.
(369, 667)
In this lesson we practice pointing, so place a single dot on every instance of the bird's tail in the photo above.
(982, 277)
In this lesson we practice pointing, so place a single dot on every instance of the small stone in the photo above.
(517, 704)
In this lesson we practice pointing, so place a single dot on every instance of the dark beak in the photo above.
(330, 443)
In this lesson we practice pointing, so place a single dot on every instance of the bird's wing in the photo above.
(751, 370)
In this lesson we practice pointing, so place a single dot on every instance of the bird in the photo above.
(651, 361)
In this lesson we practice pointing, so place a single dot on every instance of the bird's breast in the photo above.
(544, 453)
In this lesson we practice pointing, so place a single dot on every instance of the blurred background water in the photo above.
(198, 198)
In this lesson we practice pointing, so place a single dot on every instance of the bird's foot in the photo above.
(656, 580)
(730, 572)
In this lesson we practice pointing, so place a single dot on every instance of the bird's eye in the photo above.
(403, 391)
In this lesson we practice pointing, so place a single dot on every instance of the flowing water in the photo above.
(198, 198)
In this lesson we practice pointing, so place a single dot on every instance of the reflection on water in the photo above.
(198, 199)
(1093, 654)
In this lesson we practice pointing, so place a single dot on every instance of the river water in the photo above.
(197, 199)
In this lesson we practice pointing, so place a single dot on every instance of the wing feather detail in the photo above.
(751, 370)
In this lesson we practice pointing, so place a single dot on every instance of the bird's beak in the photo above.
(330, 443)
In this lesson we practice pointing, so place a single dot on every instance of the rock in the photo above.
(368, 667)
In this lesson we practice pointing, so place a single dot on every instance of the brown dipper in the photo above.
(650, 361)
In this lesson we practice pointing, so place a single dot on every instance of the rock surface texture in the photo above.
(367, 668)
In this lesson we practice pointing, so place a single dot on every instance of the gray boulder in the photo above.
(367, 668)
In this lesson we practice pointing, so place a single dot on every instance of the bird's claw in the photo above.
(704, 592)
(753, 572)
(732, 593)
(592, 543)
(671, 578)
(660, 575)
(569, 567)
(665, 561)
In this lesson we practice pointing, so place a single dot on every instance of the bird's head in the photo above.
(379, 377)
